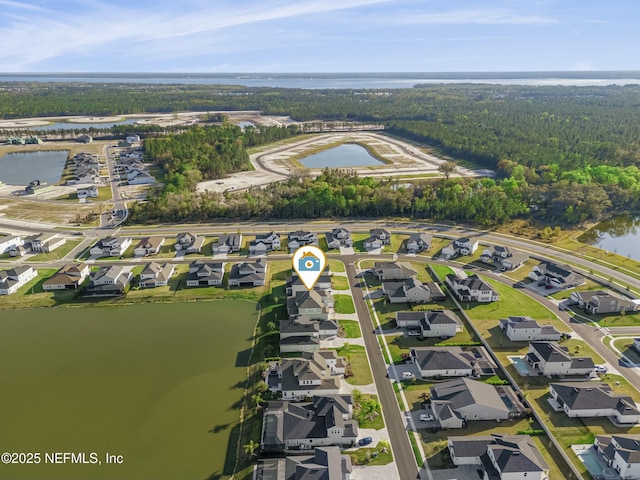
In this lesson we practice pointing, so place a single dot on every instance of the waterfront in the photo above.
(159, 384)
(80, 126)
(346, 155)
(619, 235)
(20, 168)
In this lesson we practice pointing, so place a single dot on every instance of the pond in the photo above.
(619, 235)
(159, 384)
(19, 168)
(79, 126)
(346, 155)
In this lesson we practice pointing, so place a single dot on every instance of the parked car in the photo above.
(426, 418)
(549, 287)
(407, 375)
(541, 284)
(365, 441)
(601, 369)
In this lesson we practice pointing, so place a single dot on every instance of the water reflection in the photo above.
(620, 235)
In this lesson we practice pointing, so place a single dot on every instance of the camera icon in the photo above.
(308, 263)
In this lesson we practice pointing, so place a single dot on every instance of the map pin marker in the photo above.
(309, 263)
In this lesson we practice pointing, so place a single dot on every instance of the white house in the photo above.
(133, 138)
(431, 323)
(264, 242)
(8, 242)
(110, 247)
(156, 275)
(503, 257)
(443, 362)
(419, 242)
(461, 246)
(621, 453)
(189, 243)
(203, 274)
(148, 246)
(412, 291)
(471, 288)
(526, 329)
(591, 399)
(558, 276)
(300, 238)
(339, 237)
(108, 280)
(378, 238)
(67, 278)
(46, 242)
(228, 244)
(549, 358)
(87, 192)
(503, 457)
(11, 280)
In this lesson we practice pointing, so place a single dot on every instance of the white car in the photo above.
(426, 418)
(407, 375)
(601, 369)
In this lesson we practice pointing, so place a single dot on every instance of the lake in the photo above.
(158, 384)
(19, 168)
(346, 155)
(620, 235)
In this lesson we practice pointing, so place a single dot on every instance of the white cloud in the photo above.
(484, 17)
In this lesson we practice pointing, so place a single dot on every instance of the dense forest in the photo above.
(563, 154)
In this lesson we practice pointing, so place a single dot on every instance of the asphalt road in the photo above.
(393, 418)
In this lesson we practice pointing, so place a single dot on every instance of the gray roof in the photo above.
(513, 453)
(327, 463)
(443, 358)
(420, 238)
(552, 352)
(464, 392)
(589, 396)
(472, 282)
(626, 446)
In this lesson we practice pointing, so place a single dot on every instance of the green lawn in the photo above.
(33, 295)
(400, 344)
(367, 411)
(322, 244)
(512, 303)
(104, 194)
(344, 304)
(358, 241)
(614, 320)
(372, 456)
(398, 244)
(588, 285)
(335, 265)
(357, 357)
(441, 270)
(422, 269)
(350, 328)
(625, 346)
(339, 283)
(58, 253)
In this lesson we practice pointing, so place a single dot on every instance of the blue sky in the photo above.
(318, 35)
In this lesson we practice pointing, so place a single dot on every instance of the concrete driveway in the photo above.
(382, 472)
(462, 472)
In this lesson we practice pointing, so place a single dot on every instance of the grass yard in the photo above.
(588, 285)
(350, 328)
(168, 249)
(522, 273)
(614, 320)
(511, 303)
(372, 456)
(58, 253)
(400, 344)
(33, 295)
(367, 411)
(423, 272)
(358, 241)
(398, 244)
(344, 304)
(437, 244)
(339, 283)
(322, 243)
(441, 271)
(625, 346)
(104, 195)
(357, 357)
(335, 265)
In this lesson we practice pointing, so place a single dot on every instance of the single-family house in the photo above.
(69, 277)
(205, 274)
(504, 258)
(339, 237)
(549, 358)
(461, 246)
(11, 280)
(156, 275)
(460, 400)
(228, 244)
(140, 177)
(87, 192)
(327, 420)
(526, 329)
(412, 290)
(301, 335)
(471, 288)
(310, 304)
(603, 301)
(110, 247)
(133, 138)
(324, 463)
(148, 246)
(6, 243)
(378, 238)
(431, 323)
(419, 242)
(248, 274)
(108, 280)
(300, 238)
(264, 242)
(85, 175)
(393, 271)
(314, 373)
(46, 242)
(591, 399)
(189, 243)
(500, 457)
(294, 283)
(558, 276)
(443, 362)
(621, 453)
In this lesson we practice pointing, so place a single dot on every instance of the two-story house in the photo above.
(461, 246)
(110, 247)
(11, 280)
(231, 243)
(324, 463)
(393, 271)
(300, 238)
(412, 291)
(295, 285)
(419, 242)
(46, 242)
(108, 280)
(69, 277)
(526, 329)
(156, 275)
(504, 258)
(549, 358)
(248, 274)
(603, 302)
(378, 238)
(310, 304)
(189, 242)
(264, 242)
(621, 453)
(339, 237)
(205, 274)
(558, 276)
(9, 242)
(471, 288)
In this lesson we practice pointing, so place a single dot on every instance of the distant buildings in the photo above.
(603, 302)
(419, 242)
(339, 237)
(557, 276)
(11, 280)
(471, 288)
(108, 281)
(69, 277)
(431, 323)
(524, 329)
(461, 246)
(503, 258)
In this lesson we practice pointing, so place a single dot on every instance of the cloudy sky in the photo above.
(318, 35)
